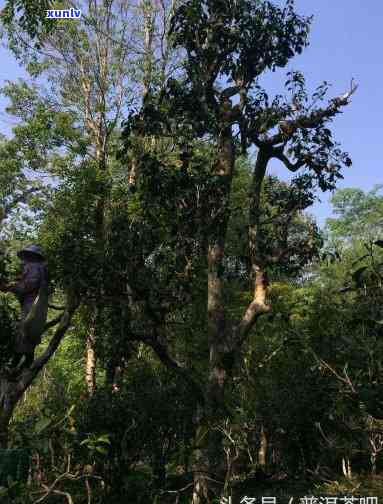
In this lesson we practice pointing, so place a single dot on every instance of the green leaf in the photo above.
(104, 439)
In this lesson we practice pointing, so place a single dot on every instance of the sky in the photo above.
(346, 42)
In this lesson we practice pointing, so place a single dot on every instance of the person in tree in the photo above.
(26, 289)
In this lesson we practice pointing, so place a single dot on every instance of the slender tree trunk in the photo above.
(90, 360)
(90, 341)
(210, 456)
(96, 123)
(149, 25)
(346, 467)
(262, 452)
(99, 128)
(8, 400)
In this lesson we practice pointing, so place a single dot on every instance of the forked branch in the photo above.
(287, 128)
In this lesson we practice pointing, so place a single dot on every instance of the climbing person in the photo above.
(31, 292)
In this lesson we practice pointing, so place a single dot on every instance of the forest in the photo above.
(175, 326)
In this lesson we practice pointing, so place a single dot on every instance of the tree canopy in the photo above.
(204, 336)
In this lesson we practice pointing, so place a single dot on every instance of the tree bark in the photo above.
(100, 138)
(8, 402)
(90, 360)
(210, 456)
(224, 338)
(149, 25)
(346, 467)
(262, 452)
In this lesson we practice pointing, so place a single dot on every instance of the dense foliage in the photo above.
(205, 337)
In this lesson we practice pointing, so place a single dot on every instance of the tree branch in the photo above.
(293, 167)
(313, 120)
(29, 374)
(229, 92)
(52, 323)
(258, 305)
(162, 353)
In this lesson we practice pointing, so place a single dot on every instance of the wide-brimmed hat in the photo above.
(31, 249)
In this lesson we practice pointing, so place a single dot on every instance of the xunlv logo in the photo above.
(64, 13)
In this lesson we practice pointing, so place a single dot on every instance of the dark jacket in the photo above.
(26, 290)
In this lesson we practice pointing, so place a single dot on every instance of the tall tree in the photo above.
(67, 131)
(92, 68)
(227, 47)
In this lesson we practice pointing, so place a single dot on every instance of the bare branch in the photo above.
(65, 476)
(344, 379)
(313, 120)
(51, 488)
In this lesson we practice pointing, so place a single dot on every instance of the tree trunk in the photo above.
(96, 124)
(200, 489)
(346, 467)
(90, 352)
(262, 452)
(210, 463)
(90, 361)
(225, 339)
(8, 400)
(12, 387)
(149, 25)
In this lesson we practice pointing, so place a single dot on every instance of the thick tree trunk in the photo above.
(200, 489)
(210, 456)
(225, 339)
